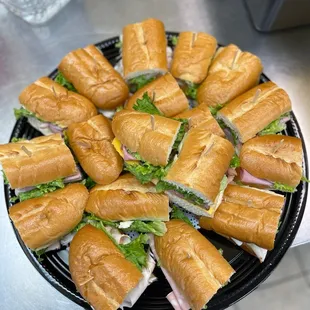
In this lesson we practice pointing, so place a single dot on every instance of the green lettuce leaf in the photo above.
(235, 161)
(191, 90)
(214, 110)
(221, 251)
(22, 112)
(157, 228)
(274, 127)
(224, 126)
(146, 105)
(174, 40)
(178, 214)
(14, 140)
(88, 218)
(181, 133)
(40, 190)
(60, 79)
(304, 179)
(223, 184)
(5, 179)
(66, 139)
(145, 172)
(162, 186)
(283, 188)
(39, 254)
(89, 182)
(119, 44)
(120, 108)
(139, 82)
(135, 252)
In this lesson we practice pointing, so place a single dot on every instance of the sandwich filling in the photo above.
(156, 227)
(46, 128)
(140, 81)
(189, 88)
(190, 195)
(276, 126)
(247, 178)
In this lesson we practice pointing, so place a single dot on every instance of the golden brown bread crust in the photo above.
(144, 47)
(195, 265)
(231, 73)
(42, 221)
(192, 56)
(36, 161)
(251, 112)
(201, 117)
(274, 158)
(99, 270)
(152, 136)
(168, 96)
(53, 103)
(91, 143)
(127, 199)
(94, 77)
(247, 214)
(201, 152)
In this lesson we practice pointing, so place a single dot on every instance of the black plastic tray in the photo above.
(249, 272)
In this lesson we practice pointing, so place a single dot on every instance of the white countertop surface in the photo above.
(27, 53)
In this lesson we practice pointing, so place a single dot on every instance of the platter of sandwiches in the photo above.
(155, 170)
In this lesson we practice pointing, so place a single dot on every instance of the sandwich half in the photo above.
(50, 107)
(103, 271)
(262, 110)
(196, 179)
(272, 162)
(94, 77)
(129, 205)
(38, 166)
(146, 142)
(249, 217)
(164, 93)
(232, 72)
(91, 142)
(144, 52)
(44, 220)
(192, 57)
(201, 117)
(194, 268)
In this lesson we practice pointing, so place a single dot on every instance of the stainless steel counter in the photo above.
(27, 53)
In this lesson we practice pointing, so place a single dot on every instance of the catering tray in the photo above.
(249, 272)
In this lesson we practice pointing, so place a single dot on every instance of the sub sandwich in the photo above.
(146, 142)
(129, 205)
(191, 60)
(50, 107)
(248, 217)
(44, 220)
(94, 77)
(262, 110)
(105, 272)
(164, 93)
(272, 162)
(194, 268)
(196, 179)
(201, 117)
(232, 72)
(38, 166)
(144, 52)
(91, 143)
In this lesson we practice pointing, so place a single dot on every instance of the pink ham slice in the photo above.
(247, 177)
(176, 298)
(127, 156)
